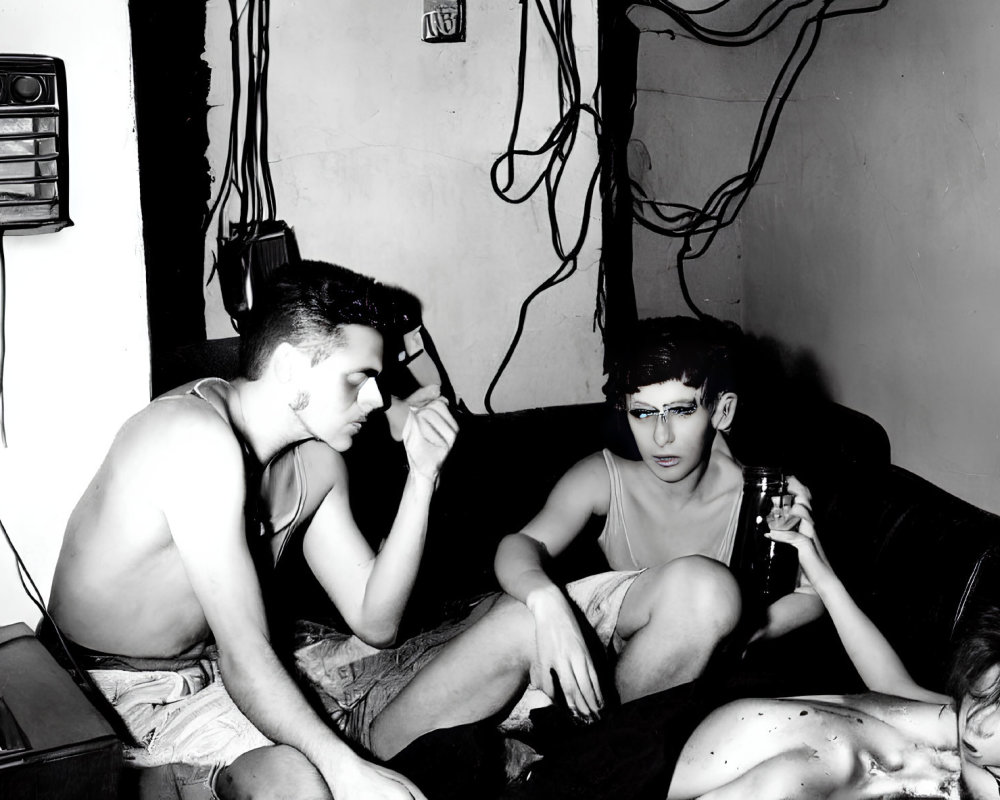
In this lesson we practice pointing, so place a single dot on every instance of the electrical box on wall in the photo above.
(443, 21)
(251, 253)
(34, 159)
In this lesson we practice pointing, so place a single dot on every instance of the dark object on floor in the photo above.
(457, 763)
(629, 754)
(72, 752)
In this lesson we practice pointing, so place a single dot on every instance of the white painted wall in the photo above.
(380, 148)
(878, 226)
(869, 245)
(77, 355)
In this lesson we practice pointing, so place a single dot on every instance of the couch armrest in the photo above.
(916, 559)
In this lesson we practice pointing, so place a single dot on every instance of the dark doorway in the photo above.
(171, 101)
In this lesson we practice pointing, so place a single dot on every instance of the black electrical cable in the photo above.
(248, 162)
(246, 172)
(713, 215)
(555, 278)
(742, 183)
(754, 32)
(555, 150)
(682, 280)
(264, 47)
(217, 208)
(83, 677)
(723, 205)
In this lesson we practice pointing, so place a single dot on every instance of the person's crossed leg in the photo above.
(669, 623)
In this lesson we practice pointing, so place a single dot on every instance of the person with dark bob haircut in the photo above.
(156, 588)
(668, 599)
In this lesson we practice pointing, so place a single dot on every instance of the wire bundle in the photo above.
(685, 221)
(554, 152)
(247, 171)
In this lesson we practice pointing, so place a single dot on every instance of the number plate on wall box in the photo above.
(444, 21)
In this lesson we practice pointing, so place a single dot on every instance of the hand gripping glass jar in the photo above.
(765, 569)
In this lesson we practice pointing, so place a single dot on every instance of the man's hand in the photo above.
(562, 650)
(362, 780)
(429, 432)
(399, 410)
(812, 559)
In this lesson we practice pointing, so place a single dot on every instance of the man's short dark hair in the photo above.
(309, 303)
(698, 352)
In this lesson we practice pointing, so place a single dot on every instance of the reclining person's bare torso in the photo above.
(858, 746)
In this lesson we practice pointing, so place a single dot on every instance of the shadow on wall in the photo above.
(781, 394)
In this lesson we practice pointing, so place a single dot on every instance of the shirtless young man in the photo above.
(900, 741)
(156, 566)
(670, 523)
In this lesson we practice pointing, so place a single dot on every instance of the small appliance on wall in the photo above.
(34, 159)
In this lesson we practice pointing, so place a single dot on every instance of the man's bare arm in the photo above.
(371, 591)
(203, 494)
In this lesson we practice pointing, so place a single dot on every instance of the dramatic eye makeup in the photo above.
(647, 413)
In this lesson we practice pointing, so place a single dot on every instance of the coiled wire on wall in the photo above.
(720, 210)
(554, 152)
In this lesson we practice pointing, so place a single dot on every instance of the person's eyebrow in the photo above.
(692, 403)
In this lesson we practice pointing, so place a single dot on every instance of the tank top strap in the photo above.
(725, 551)
(614, 539)
(196, 388)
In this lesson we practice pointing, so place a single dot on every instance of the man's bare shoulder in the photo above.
(298, 480)
(321, 461)
(184, 417)
(177, 440)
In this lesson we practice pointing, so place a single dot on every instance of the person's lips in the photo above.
(666, 461)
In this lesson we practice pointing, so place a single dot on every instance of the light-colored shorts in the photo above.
(355, 681)
(600, 598)
(183, 716)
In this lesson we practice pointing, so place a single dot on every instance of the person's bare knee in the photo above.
(672, 620)
(478, 674)
(710, 593)
(271, 773)
(513, 621)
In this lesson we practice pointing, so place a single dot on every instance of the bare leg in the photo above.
(481, 672)
(272, 773)
(672, 619)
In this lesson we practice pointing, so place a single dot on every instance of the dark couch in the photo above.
(917, 559)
